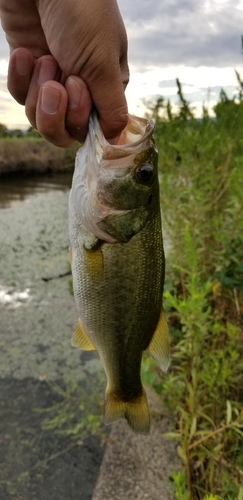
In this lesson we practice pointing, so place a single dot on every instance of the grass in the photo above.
(201, 165)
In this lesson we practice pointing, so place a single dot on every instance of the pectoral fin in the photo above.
(159, 347)
(94, 263)
(80, 339)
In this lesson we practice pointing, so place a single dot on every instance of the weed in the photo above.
(76, 415)
(201, 166)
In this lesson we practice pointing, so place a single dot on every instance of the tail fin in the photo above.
(135, 412)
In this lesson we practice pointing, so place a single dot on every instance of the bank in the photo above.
(31, 155)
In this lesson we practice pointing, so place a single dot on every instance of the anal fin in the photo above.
(159, 347)
(80, 338)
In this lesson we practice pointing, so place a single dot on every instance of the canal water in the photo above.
(37, 317)
(16, 188)
(37, 308)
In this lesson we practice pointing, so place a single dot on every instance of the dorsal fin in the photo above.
(80, 338)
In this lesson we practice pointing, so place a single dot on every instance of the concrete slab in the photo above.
(139, 467)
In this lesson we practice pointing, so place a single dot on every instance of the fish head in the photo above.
(118, 190)
(131, 193)
(130, 186)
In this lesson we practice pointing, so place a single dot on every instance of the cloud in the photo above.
(4, 50)
(183, 32)
(166, 84)
(198, 42)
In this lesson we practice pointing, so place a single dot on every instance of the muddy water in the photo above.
(36, 307)
(37, 316)
(16, 188)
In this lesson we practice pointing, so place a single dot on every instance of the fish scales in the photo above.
(118, 271)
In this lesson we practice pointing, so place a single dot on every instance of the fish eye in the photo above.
(145, 172)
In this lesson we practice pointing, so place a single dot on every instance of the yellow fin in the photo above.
(135, 412)
(80, 339)
(94, 263)
(159, 347)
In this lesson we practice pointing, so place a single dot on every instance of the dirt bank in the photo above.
(34, 155)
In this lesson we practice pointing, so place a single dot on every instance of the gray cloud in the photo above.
(183, 32)
(4, 50)
(172, 32)
(167, 84)
(202, 95)
(176, 32)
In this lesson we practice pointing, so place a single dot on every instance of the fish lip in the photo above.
(122, 150)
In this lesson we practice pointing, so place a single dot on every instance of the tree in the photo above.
(15, 133)
(3, 130)
(32, 132)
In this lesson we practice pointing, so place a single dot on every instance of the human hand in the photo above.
(67, 56)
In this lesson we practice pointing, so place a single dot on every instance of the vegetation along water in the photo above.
(201, 164)
(201, 182)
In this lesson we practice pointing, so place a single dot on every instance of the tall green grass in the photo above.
(201, 168)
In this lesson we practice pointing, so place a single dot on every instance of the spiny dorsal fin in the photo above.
(80, 339)
(159, 347)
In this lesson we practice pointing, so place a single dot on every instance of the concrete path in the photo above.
(139, 467)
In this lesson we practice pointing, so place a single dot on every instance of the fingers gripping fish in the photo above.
(118, 262)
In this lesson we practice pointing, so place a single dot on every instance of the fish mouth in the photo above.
(136, 137)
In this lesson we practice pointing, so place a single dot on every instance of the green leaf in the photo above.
(228, 412)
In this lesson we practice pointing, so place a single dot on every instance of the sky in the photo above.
(197, 42)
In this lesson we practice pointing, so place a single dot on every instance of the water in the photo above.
(36, 306)
(14, 189)
(37, 318)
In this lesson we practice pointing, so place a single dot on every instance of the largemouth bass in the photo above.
(118, 263)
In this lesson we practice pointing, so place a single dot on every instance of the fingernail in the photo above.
(74, 93)
(50, 99)
(22, 64)
(47, 71)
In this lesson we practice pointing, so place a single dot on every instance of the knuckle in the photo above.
(116, 121)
